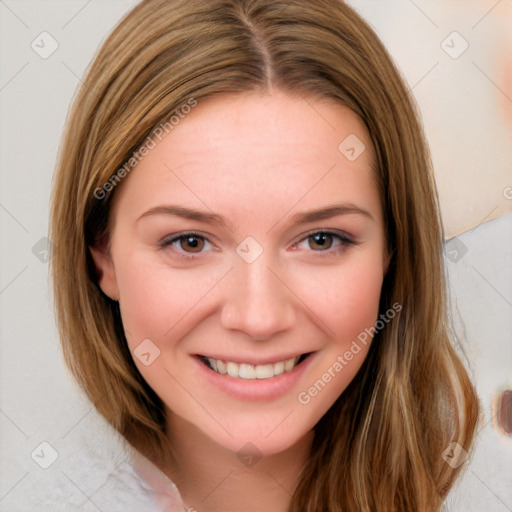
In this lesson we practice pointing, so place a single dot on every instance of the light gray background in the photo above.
(38, 400)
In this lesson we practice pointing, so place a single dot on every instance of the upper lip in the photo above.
(254, 360)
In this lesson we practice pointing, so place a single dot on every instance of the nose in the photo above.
(258, 301)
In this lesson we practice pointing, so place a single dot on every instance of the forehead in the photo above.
(257, 149)
(267, 122)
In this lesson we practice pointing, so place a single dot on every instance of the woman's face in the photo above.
(281, 256)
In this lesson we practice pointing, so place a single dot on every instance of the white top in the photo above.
(156, 484)
(95, 469)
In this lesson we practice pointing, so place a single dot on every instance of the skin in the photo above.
(257, 160)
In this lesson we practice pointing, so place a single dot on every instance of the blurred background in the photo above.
(457, 57)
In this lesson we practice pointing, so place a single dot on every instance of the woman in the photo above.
(253, 291)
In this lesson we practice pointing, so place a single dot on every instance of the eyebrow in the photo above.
(329, 211)
(299, 218)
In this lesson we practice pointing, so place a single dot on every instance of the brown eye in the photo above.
(186, 245)
(326, 243)
(321, 241)
(191, 243)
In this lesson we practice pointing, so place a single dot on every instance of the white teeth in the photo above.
(278, 368)
(232, 369)
(264, 371)
(251, 371)
(289, 364)
(246, 371)
(221, 366)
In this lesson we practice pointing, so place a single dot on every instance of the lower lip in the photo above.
(257, 390)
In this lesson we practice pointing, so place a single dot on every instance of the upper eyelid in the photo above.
(328, 231)
(331, 231)
(344, 237)
(171, 239)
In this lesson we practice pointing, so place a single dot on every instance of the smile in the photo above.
(248, 371)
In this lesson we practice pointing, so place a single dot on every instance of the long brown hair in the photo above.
(379, 447)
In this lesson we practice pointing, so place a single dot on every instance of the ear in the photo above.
(105, 270)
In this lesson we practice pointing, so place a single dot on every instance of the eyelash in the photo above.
(344, 239)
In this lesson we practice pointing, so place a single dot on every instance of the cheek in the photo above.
(347, 305)
(157, 300)
(346, 297)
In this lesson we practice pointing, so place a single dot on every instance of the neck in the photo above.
(212, 478)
